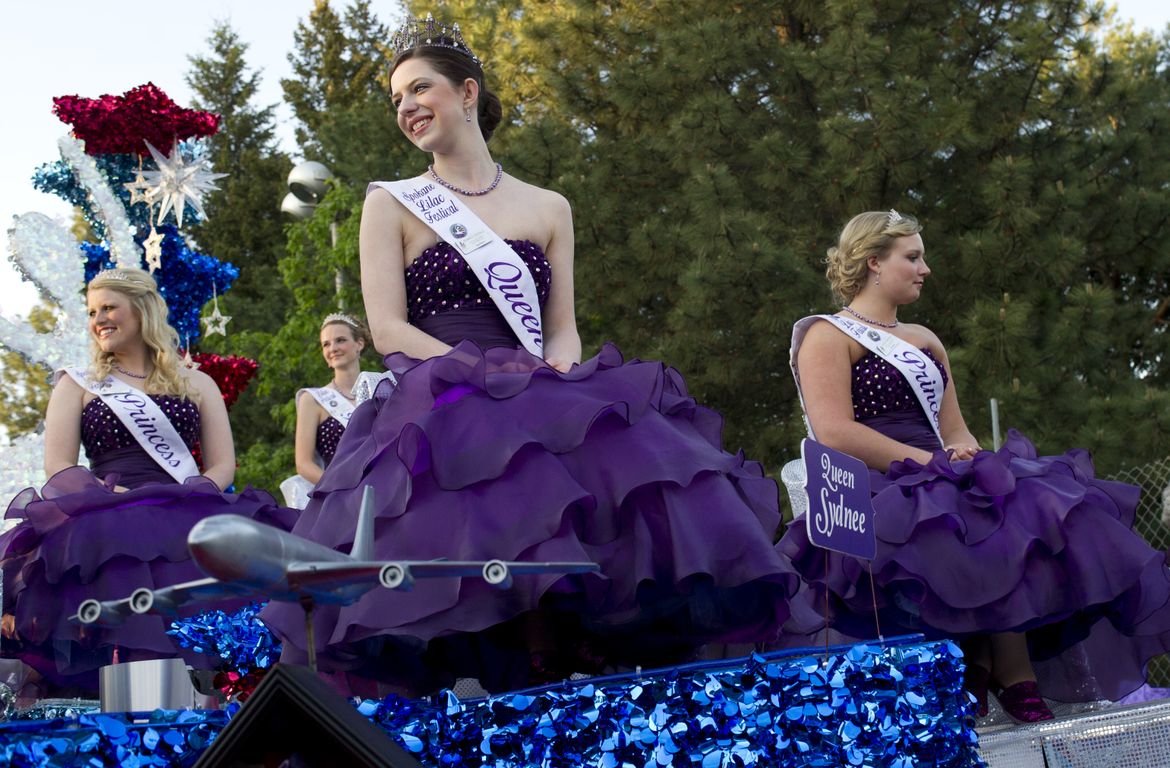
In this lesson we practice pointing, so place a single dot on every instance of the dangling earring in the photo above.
(878, 279)
(469, 115)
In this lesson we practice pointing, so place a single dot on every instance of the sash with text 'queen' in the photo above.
(503, 274)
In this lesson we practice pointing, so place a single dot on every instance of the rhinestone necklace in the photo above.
(120, 369)
(469, 192)
(865, 319)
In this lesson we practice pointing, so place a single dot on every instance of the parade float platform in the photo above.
(1133, 736)
(896, 704)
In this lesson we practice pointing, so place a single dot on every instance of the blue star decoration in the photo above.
(187, 279)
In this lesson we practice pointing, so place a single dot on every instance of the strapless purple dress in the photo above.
(328, 436)
(78, 539)
(1008, 541)
(486, 452)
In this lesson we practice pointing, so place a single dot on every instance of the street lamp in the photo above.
(307, 183)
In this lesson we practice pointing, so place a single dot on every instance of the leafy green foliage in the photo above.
(24, 386)
(713, 150)
(244, 227)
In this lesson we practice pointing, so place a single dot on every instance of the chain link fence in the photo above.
(1153, 522)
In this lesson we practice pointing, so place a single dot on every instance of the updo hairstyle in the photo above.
(867, 234)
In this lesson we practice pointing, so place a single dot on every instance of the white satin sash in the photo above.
(332, 401)
(920, 371)
(144, 420)
(503, 274)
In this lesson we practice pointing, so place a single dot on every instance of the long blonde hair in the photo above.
(867, 234)
(162, 341)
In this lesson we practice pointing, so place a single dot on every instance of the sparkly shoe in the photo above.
(1023, 702)
(976, 681)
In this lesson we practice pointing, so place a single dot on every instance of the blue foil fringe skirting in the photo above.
(898, 705)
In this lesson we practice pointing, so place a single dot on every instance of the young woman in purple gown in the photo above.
(122, 523)
(1031, 559)
(491, 447)
(324, 412)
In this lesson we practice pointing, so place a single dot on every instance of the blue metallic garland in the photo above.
(185, 280)
(98, 740)
(898, 706)
(239, 639)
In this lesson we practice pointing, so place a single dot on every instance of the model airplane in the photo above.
(244, 558)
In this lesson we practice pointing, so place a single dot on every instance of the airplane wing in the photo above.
(165, 601)
(400, 574)
(325, 581)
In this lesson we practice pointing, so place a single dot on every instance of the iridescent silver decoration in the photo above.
(124, 251)
(1118, 737)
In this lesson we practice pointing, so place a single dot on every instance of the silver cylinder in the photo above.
(143, 686)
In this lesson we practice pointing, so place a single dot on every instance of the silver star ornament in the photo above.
(177, 183)
(216, 322)
(152, 245)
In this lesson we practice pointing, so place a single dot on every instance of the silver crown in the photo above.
(113, 274)
(340, 317)
(419, 33)
(893, 218)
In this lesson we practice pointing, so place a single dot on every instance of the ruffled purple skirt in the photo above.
(77, 539)
(1008, 541)
(480, 455)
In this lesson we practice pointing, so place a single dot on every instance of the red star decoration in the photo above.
(120, 124)
(231, 372)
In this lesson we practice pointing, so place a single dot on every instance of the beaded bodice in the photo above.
(439, 280)
(101, 431)
(328, 436)
(878, 388)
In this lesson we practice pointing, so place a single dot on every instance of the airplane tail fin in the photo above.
(363, 537)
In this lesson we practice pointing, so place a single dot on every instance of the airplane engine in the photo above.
(395, 576)
(497, 574)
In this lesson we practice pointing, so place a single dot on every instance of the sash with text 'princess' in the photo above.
(142, 417)
(919, 370)
(503, 274)
(333, 403)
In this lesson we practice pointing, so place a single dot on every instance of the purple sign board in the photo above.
(840, 514)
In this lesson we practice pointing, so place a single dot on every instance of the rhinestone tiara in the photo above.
(112, 274)
(420, 33)
(340, 317)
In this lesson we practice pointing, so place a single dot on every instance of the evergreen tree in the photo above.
(713, 152)
(243, 224)
(339, 97)
(339, 66)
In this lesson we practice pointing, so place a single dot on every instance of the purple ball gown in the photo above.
(486, 452)
(1008, 541)
(78, 539)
